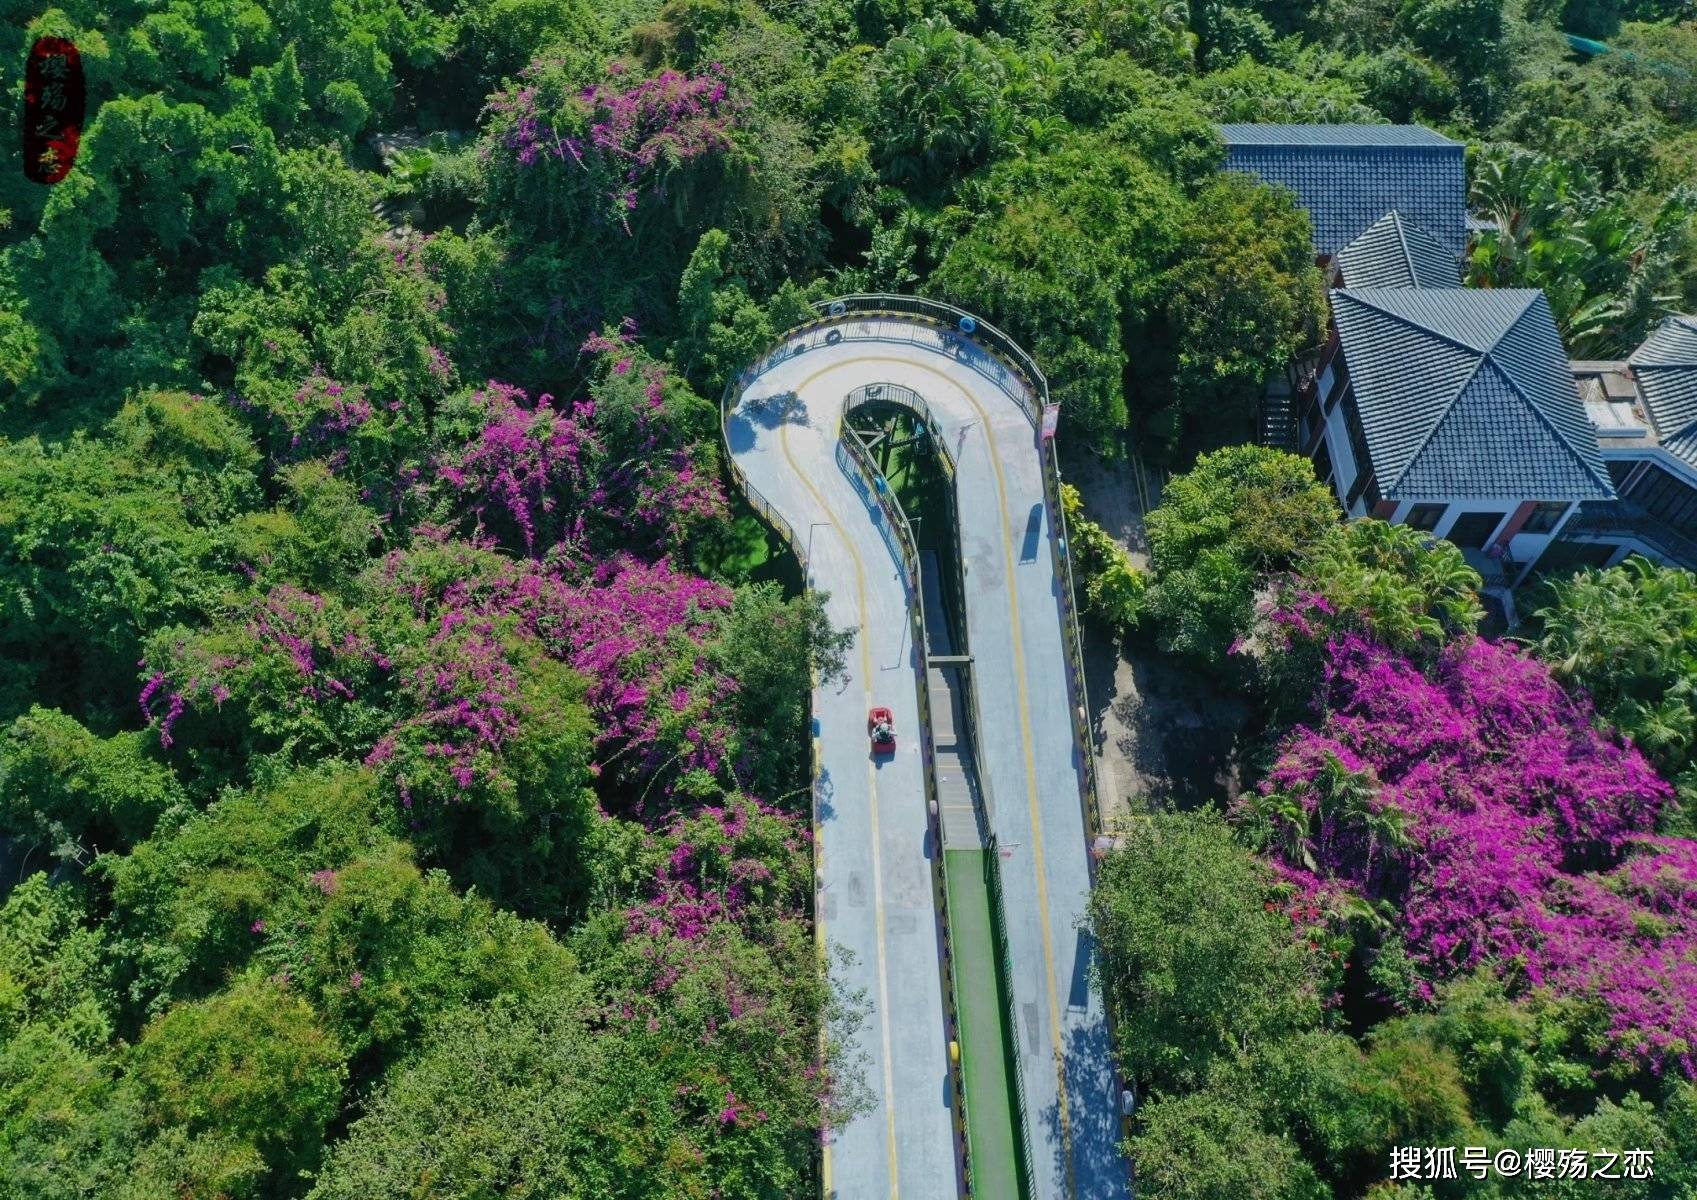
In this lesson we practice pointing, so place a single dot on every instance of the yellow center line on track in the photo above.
(872, 805)
(1025, 735)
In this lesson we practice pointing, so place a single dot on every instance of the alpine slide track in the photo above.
(957, 869)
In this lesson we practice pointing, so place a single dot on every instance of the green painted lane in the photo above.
(986, 1041)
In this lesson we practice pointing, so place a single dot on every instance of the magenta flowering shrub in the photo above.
(711, 976)
(375, 445)
(1482, 803)
(455, 666)
(304, 669)
(624, 470)
(524, 463)
(640, 633)
(661, 481)
(618, 140)
(742, 860)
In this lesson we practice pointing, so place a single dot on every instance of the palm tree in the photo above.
(1608, 274)
(939, 97)
(1280, 819)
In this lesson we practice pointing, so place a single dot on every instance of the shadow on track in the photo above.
(1100, 1168)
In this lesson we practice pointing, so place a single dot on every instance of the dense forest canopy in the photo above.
(403, 724)
(1455, 903)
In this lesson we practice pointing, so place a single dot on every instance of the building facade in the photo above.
(1645, 412)
(1454, 409)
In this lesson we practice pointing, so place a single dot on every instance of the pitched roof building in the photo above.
(1466, 394)
(1644, 409)
(1456, 410)
(1349, 176)
(1666, 369)
(1394, 252)
(1453, 410)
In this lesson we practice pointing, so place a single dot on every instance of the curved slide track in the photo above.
(873, 848)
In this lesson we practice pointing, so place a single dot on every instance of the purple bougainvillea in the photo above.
(429, 678)
(626, 139)
(576, 479)
(526, 461)
(1481, 801)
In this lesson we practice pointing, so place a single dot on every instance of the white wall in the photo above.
(1343, 459)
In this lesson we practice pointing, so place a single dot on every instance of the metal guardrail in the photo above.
(944, 329)
(854, 455)
(1079, 697)
(763, 507)
(1619, 518)
(932, 324)
(971, 329)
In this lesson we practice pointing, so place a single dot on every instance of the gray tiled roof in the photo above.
(1392, 252)
(1332, 135)
(1665, 367)
(1348, 176)
(1467, 393)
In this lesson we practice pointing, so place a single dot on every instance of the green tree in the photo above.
(1199, 966)
(1221, 529)
(53, 973)
(321, 538)
(1212, 1145)
(1154, 33)
(304, 877)
(250, 1066)
(776, 649)
(1403, 586)
(723, 329)
(1243, 298)
(1628, 637)
(102, 540)
(939, 103)
(1467, 36)
(1608, 272)
(65, 1129)
(69, 794)
(1113, 589)
(1065, 261)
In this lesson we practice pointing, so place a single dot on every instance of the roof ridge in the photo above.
(1353, 294)
(1444, 414)
(1537, 412)
(1537, 409)
(1395, 215)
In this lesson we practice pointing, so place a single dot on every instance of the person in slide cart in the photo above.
(881, 725)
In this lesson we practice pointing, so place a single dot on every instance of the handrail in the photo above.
(970, 326)
(1004, 952)
(906, 397)
(956, 332)
(859, 459)
(1622, 517)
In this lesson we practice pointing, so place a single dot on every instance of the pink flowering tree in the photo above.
(520, 471)
(1478, 803)
(712, 960)
(452, 668)
(376, 445)
(610, 150)
(631, 467)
